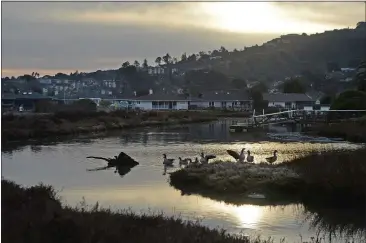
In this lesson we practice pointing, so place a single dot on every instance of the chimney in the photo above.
(150, 91)
(134, 93)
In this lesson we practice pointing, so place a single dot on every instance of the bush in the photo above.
(35, 214)
(350, 100)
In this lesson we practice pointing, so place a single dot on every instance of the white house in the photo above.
(289, 100)
(155, 70)
(223, 100)
(217, 100)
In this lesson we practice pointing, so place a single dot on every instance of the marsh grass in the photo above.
(35, 214)
(23, 127)
(335, 178)
(352, 130)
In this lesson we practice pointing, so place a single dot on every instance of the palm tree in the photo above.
(158, 60)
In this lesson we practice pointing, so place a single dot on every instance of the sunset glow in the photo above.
(256, 17)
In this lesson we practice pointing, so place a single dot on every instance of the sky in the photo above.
(51, 37)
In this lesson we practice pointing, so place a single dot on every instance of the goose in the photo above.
(196, 161)
(272, 159)
(204, 159)
(250, 158)
(184, 161)
(238, 157)
(167, 162)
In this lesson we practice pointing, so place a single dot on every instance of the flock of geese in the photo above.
(239, 157)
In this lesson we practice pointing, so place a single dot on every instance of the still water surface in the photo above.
(146, 189)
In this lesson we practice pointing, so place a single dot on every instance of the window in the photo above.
(211, 104)
(175, 103)
(154, 103)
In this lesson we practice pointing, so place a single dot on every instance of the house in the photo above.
(218, 100)
(155, 70)
(27, 100)
(289, 100)
(237, 100)
(161, 102)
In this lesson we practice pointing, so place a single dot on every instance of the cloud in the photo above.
(99, 35)
(335, 14)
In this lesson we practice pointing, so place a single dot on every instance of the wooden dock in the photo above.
(256, 122)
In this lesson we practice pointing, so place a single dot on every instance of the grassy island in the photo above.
(333, 177)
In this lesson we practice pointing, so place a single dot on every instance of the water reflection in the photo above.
(63, 165)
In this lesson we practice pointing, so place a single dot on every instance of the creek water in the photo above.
(146, 188)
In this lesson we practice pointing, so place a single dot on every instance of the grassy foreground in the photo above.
(334, 177)
(23, 127)
(35, 214)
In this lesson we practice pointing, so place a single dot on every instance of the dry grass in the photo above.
(337, 178)
(233, 178)
(35, 214)
(354, 131)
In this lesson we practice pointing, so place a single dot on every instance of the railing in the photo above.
(298, 115)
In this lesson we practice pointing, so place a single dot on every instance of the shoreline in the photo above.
(36, 214)
(352, 131)
(25, 128)
(294, 181)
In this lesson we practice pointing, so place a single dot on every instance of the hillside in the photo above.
(284, 56)
(290, 55)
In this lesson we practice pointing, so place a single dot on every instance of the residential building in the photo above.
(214, 100)
(288, 100)
(236, 100)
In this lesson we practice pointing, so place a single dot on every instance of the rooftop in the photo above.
(285, 97)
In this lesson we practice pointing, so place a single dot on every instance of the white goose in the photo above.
(238, 157)
(273, 158)
(185, 161)
(250, 158)
(204, 159)
(167, 162)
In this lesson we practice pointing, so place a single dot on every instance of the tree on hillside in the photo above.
(184, 57)
(61, 76)
(360, 77)
(136, 63)
(125, 64)
(175, 60)
(350, 100)
(192, 57)
(293, 86)
(144, 64)
(326, 100)
(167, 59)
(158, 61)
(223, 49)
